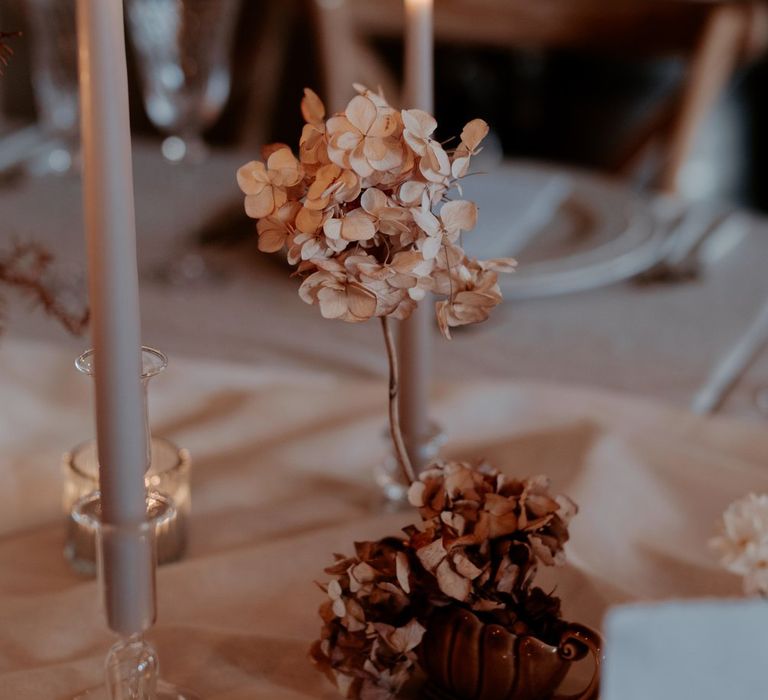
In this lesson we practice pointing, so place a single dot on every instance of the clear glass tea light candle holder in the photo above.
(168, 475)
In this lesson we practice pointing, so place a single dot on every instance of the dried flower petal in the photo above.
(284, 169)
(432, 555)
(454, 585)
(419, 126)
(473, 133)
(416, 494)
(465, 567)
(403, 570)
(402, 639)
(312, 108)
(355, 226)
(459, 215)
(743, 542)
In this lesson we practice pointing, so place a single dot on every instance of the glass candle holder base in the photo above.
(165, 691)
(132, 666)
(131, 670)
(388, 475)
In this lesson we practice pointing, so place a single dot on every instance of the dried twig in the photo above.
(394, 412)
(24, 268)
(5, 50)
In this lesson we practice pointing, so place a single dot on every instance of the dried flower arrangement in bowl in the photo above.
(365, 215)
(456, 595)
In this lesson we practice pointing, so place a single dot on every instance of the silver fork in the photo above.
(689, 229)
(733, 365)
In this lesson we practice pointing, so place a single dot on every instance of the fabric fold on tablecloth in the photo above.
(283, 477)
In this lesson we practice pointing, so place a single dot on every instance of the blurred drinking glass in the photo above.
(183, 53)
(54, 80)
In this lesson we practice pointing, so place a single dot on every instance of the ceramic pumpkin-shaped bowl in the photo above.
(467, 659)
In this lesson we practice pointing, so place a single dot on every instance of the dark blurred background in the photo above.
(592, 104)
(576, 82)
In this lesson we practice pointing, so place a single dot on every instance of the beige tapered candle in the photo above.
(419, 54)
(114, 299)
(415, 336)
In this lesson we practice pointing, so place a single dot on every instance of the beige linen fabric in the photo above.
(282, 478)
(659, 341)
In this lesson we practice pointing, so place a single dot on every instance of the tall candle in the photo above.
(114, 299)
(415, 336)
(419, 55)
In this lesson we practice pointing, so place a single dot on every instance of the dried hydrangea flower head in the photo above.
(481, 538)
(484, 533)
(369, 636)
(743, 542)
(365, 213)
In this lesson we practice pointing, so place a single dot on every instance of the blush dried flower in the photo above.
(366, 215)
(743, 542)
(484, 534)
(368, 641)
(366, 182)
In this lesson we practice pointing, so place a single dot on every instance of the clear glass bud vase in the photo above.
(388, 474)
(153, 362)
(126, 555)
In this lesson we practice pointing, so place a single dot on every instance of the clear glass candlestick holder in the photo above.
(132, 666)
(167, 472)
(388, 474)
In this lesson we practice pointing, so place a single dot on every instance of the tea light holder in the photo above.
(168, 475)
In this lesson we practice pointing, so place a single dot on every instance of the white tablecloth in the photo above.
(658, 342)
(282, 478)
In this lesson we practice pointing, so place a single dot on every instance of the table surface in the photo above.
(658, 341)
(285, 434)
(282, 478)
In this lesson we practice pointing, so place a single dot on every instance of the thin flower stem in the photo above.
(24, 267)
(450, 272)
(394, 412)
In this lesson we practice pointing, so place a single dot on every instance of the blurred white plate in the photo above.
(570, 231)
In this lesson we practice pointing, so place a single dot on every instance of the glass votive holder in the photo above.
(388, 475)
(168, 477)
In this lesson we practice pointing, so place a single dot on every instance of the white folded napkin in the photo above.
(707, 650)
